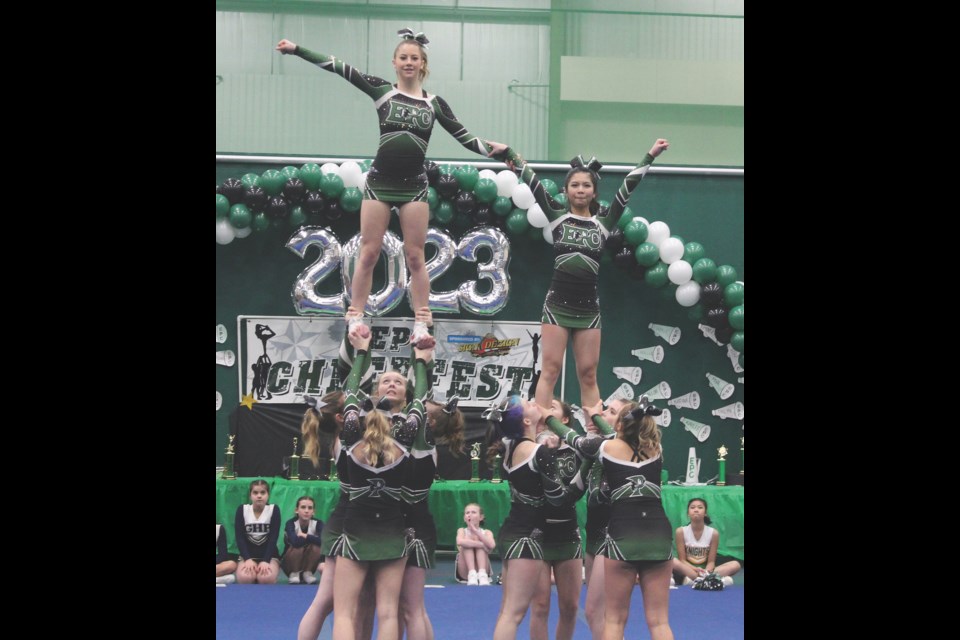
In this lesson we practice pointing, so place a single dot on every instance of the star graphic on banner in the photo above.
(295, 343)
(248, 401)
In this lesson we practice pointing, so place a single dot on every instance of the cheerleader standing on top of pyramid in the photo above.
(579, 231)
(407, 114)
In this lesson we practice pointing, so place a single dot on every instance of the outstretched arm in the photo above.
(449, 121)
(630, 183)
(371, 85)
(352, 429)
(515, 161)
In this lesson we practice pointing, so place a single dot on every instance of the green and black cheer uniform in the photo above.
(573, 300)
(561, 533)
(373, 525)
(598, 494)
(638, 530)
(406, 121)
(421, 469)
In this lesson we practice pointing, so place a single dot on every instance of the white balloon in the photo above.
(644, 221)
(506, 182)
(363, 181)
(536, 217)
(548, 234)
(659, 231)
(671, 250)
(680, 272)
(688, 294)
(330, 167)
(350, 173)
(488, 173)
(225, 232)
(243, 233)
(523, 197)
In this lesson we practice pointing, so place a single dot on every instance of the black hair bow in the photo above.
(593, 165)
(645, 408)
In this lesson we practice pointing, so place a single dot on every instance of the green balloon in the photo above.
(250, 180)
(736, 340)
(695, 313)
(647, 254)
(733, 295)
(365, 165)
(550, 186)
(444, 212)
(310, 174)
(740, 361)
(272, 182)
(260, 222)
(693, 251)
(517, 221)
(223, 206)
(240, 216)
(298, 217)
(467, 177)
(561, 198)
(636, 232)
(502, 206)
(656, 276)
(735, 317)
(432, 199)
(290, 172)
(485, 190)
(351, 199)
(726, 274)
(704, 271)
(331, 185)
(625, 218)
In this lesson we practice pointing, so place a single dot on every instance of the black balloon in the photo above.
(716, 317)
(233, 190)
(711, 294)
(433, 172)
(483, 215)
(294, 190)
(465, 203)
(447, 186)
(255, 198)
(724, 333)
(638, 272)
(314, 202)
(615, 241)
(624, 258)
(278, 207)
(218, 188)
(334, 211)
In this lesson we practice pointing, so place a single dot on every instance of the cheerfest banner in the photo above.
(480, 361)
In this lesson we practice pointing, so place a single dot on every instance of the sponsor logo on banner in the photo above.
(490, 346)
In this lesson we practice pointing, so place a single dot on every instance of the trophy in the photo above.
(475, 462)
(497, 459)
(722, 475)
(333, 471)
(294, 463)
(228, 473)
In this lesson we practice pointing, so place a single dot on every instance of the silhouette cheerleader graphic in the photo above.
(261, 368)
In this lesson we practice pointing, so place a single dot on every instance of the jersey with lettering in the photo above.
(577, 241)
(698, 551)
(313, 531)
(257, 536)
(406, 121)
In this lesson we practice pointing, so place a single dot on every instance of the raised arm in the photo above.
(352, 429)
(609, 220)
(371, 85)
(588, 447)
(515, 161)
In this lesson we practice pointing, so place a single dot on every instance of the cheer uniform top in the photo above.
(406, 122)
(573, 300)
(421, 470)
(257, 536)
(698, 551)
(561, 533)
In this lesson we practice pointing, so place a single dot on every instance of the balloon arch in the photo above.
(491, 203)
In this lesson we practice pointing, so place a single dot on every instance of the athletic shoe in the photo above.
(294, 578)
(309, 578)
(227, 579)
(472, 579)
(727, 581)
(482, 578)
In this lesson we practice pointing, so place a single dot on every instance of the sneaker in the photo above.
(227, 579)
(687, 581)
(421, 338)
(294, 578)
(673, 582)
(482, 578)
(472, 578)
(355, 324)
(727, 581)
(309, 578)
